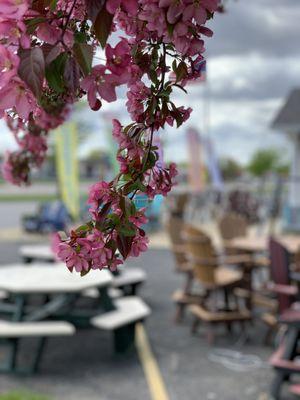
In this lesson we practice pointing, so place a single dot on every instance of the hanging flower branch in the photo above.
(48, 62)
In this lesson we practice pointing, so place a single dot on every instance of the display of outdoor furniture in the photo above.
(11, 333)
(122, 320)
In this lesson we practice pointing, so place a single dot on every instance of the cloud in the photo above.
(266, 27)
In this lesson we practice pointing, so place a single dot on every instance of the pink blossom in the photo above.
(12, 32)
(72, 258)
(13, 9)
(99, 193)
(118, 58)
(139, 219)
(114, 263)
(119, 135)
(15, 95)
(138, 92)
(100, 84)
(139, 245)
(130, 6)
(9, 63)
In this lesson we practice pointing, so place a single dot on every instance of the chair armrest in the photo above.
(210, 262)
(178, 248)
(237, 259)
(287, 290)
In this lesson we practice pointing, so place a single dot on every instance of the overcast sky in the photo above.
(253, 63)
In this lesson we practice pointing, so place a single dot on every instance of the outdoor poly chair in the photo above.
(198, 247)
(232, 225)
(175, 227)
(280, 287)
(179, 234)
(215, 276)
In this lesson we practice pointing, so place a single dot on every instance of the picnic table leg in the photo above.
(105, 299)
(124, 338)
(20, 304)
(38, 354)
(12, 358)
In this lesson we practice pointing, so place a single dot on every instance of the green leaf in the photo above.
(32, 68)
(127, 231)
(102, 26)
(153, 76)
(32, 24)
(55, 73)
(181, 71)
(141, 186)
(84, 55)
(53, 4)
(83, 272)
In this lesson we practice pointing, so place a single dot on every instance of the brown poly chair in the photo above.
(232, 225)
(183, 296)
(214, 277)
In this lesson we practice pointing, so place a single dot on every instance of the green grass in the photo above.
(36, 198)
(16, 395)
(24, 198)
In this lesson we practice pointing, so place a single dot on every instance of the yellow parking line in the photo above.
(151, 369)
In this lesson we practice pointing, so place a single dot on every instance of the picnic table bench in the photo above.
(129, 310)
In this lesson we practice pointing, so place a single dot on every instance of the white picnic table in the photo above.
(48, 279)
(127, 277)
(37, 252)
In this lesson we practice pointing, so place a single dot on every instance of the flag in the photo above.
(196, 170)
(213, 165)
(67, 167)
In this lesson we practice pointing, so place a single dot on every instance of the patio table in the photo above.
(259, 244)
(60, 288)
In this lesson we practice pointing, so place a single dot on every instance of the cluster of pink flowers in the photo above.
(48, 62)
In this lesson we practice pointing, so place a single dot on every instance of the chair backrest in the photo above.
(279, 270)
(201, 254)
(174, 227)
(232, 225)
